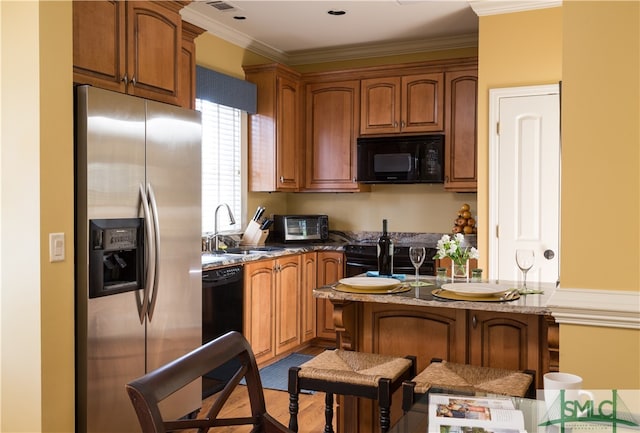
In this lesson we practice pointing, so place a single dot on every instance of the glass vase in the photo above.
(460, 271)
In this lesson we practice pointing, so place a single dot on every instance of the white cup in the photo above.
(571, 383)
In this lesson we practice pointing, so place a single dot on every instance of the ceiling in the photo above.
(298, 31)
(302, 31)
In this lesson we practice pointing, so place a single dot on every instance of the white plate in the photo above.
(475, 289)
(371, 283)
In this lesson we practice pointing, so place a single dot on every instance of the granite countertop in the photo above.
(213, 261)
(421, 296)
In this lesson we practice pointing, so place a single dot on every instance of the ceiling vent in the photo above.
(222, 6)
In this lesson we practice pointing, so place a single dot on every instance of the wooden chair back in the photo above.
(149, 390)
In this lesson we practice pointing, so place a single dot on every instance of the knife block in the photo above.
(253, 235)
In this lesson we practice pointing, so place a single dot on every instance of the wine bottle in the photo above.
(385, 252)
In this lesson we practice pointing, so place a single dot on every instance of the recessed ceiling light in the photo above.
(336, 12)
(239, 17)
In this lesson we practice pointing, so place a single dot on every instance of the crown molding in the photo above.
(385, 49)
(326, 55)
(603, 308)
(496, 7)
(230, 35)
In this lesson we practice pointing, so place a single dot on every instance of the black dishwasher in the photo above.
(222, 311)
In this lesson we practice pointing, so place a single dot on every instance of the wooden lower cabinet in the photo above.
(400, 331)
(487, 338)
(330, 269)
(288, 305)
(259, 307)
(272, 306)
(280, 311)
(424, 332)
(504, 340)
(307, 301)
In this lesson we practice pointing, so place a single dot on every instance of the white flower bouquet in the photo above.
(451, 247)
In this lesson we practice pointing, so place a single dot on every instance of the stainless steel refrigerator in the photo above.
(138, 243)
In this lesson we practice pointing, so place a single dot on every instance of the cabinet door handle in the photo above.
(281, 179)
(402, 124)
(395, 123)
(133, 80)
(125, 79)
(474, 321)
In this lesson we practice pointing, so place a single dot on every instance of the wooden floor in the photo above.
(311, 406)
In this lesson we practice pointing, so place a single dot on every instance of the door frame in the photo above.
(495, 97)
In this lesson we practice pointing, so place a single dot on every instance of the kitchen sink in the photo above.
(252, 250)
(269, 248)
(240, 251)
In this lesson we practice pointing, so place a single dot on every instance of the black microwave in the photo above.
(401, 159)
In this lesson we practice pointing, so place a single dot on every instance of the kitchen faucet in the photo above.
(232, 221)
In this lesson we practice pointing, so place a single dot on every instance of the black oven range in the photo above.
(363, 257)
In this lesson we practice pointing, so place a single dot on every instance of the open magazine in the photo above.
(463, 414)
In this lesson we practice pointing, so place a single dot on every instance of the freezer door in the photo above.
(110, 166)
(174, 181)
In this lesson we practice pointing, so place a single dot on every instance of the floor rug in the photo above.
(276, 375)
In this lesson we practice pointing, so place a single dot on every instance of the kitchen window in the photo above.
(224, 102)
(221, 164)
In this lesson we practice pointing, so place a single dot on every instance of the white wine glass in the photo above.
(524, 260)
(416, 254)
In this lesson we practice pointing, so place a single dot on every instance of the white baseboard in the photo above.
(604, 308)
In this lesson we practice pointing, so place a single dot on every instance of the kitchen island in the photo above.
(518, 335)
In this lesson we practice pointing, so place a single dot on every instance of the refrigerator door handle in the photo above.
(150, 263)
(153, 295)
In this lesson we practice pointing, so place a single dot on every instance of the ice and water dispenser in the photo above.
(116, 256)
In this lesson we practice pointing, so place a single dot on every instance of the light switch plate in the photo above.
(56, 247)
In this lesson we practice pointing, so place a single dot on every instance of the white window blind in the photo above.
(221, 170)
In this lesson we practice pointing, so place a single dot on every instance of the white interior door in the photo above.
(524, 200)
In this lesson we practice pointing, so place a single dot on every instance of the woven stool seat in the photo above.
(468, 378)
(345, 366)
(350, 373)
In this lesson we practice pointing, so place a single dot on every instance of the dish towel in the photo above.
(400, 277)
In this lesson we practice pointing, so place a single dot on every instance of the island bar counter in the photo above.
(517, 335)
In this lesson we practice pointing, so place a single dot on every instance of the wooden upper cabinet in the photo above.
(461, 131)
(402, 104)
(275, 148)
(154, 35)
(380, 103)
(187, 94)
(132, 47)
(332, 113)
(99, 45)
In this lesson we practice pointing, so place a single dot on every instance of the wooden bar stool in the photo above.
(351, 373)
(468, 379)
